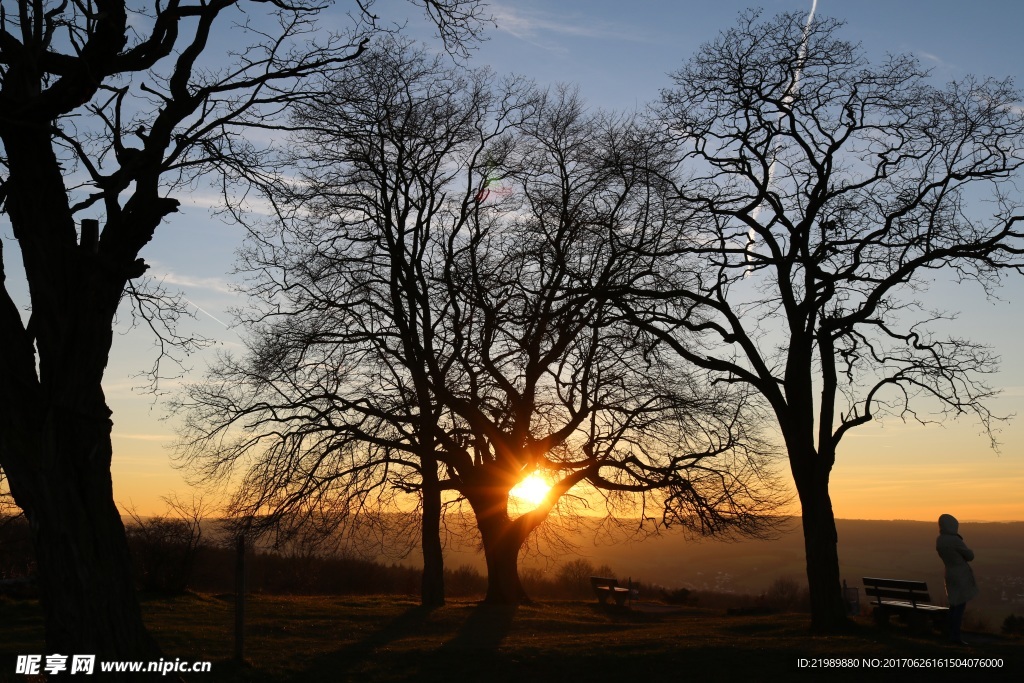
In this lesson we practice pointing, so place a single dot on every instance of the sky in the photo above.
(620, 55)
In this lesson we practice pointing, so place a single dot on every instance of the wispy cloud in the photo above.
(192, 282)
(537, 27)
(211, 201)
(934, 59)
(940, 66)
(134, 386)
(142, 437)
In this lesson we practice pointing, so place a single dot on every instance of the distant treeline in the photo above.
(173, 555)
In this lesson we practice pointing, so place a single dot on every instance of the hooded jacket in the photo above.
(960, 584)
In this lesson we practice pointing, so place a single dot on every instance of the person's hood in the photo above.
(948, 524)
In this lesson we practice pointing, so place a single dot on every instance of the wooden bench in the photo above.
(907, 599)
(603, 587)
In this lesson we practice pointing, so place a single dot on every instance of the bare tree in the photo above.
(816, 195)
(432, 315)
(165, 547)
(549, 378)
(574, 577)
(335, 404)
(107, 109)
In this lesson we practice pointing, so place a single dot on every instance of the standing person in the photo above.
(960, 584)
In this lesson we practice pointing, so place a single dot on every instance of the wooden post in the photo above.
(240, 599)
(90, 240)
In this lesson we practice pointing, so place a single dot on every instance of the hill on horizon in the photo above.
(898, 549)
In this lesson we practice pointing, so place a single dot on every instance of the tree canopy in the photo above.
(434, 293)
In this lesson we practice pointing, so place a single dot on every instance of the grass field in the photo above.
(390, 638)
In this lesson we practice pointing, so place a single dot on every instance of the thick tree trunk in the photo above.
(83, 563)
(54, 422)
(432, 585)
(811, 467)
(828, 611)
(501, 550)
(502, 539)
(85, 578)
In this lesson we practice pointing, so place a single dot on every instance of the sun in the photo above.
(531, 490)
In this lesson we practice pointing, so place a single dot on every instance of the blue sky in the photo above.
(620, 54)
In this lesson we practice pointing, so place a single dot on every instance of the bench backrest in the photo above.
(914, 591)
(596, 581)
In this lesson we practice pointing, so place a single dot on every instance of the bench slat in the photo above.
(902, 604)
(896, 583)
(903, 595)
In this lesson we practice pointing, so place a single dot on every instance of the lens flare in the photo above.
(532, 490)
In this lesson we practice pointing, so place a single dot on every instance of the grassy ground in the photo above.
(390, 638)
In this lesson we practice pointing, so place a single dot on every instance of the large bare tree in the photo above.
(816, 195)
(432, 314)
(547, 377)
(334, 393)
(106, 109)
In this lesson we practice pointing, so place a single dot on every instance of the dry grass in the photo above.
(390, 638)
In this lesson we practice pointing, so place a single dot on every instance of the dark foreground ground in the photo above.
(390, 638)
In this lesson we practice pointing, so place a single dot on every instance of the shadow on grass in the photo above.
(324, 665)
(354, 655)
(407, 646)
(484, 630)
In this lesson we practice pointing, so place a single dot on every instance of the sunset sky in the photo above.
(620, 54)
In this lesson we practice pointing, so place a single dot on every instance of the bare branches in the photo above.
(457, 21)
(814, 217)
(872, 170)
(161, 312)
(435, 294)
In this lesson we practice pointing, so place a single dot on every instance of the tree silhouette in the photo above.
(433, 312)
(331, 394)
(815, 195)
(107, 110)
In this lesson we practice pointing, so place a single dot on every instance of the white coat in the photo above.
(960, 583)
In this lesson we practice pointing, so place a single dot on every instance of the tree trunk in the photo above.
(502, 539)
(432, 584)
(501, 551)
(54, 422)
(828, 611)
(83, 564)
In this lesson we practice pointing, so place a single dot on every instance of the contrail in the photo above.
(786, 99)
(205, 312)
